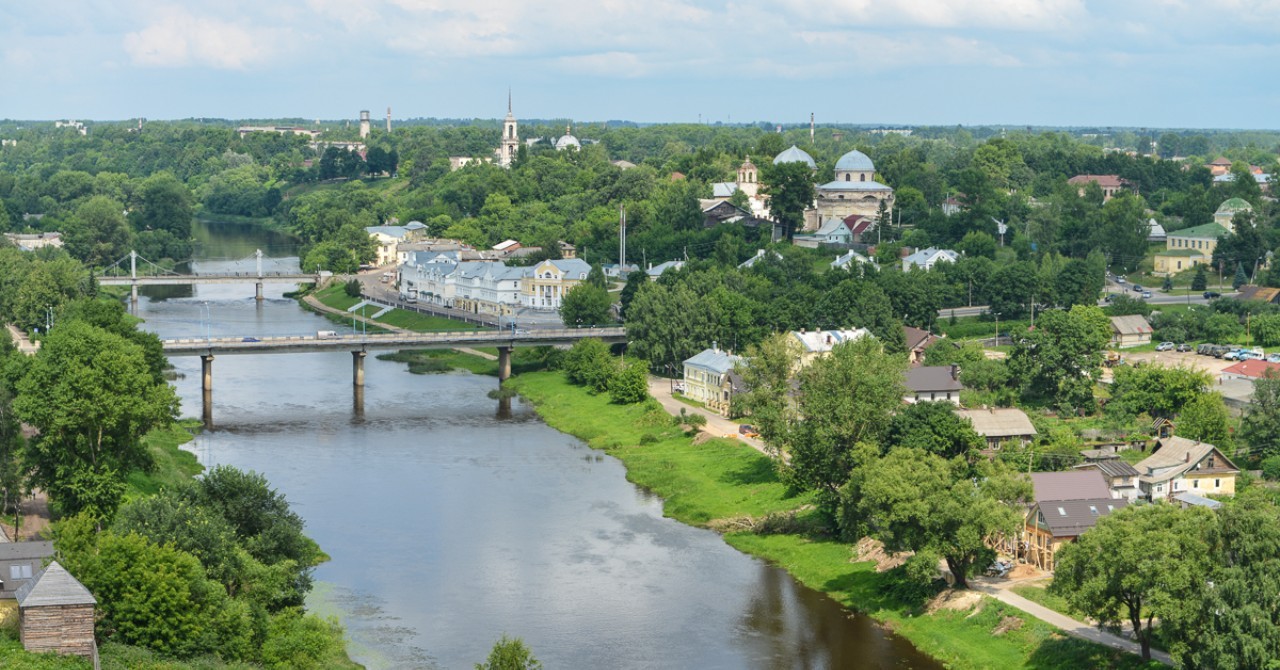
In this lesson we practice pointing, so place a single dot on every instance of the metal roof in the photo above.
(794, 155)
(1112, 468)
(714, 360)
(1174, 456)
(1188, 498)
(1132, 324)
(826, 340)
(857, 186)
(1069, 485)
(54, 586)
(1069, 518)
(855, 160)
(16, 551)
(933, 378)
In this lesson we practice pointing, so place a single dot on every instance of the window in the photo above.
(1217, 483)
(1062, 512)
(1195, 484)
(863, 177)
(1093, 510)
(20, 571)
(846, 177)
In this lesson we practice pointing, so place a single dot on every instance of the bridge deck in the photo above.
(235, 278)
(307, 343)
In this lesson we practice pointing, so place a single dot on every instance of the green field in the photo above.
(336, 297)
(722, 484)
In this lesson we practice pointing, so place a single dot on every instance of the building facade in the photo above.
(854, 190)
(707, 378)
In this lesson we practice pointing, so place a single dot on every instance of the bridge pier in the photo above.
(504, 364)
(357, 367)
(133, 295)
(206, 372)
(258, 291)
(207, 407)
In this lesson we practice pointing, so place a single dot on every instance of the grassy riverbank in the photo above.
(721, 484)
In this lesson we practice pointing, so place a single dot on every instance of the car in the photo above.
(1184, 347)
(1165, 346)
(1249, 356)
(1137, 288)
(1109, 296)
(1210, 295)
(1146, 294)
(748, 430)
(1273, 358)
(1120, 279)
(1232, 355)
(250, 339)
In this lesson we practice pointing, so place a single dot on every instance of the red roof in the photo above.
(858, 224)
(1104, 180)
(1254, 369)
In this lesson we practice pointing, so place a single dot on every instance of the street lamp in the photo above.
(208, 322)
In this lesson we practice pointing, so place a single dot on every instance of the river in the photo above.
(450, 522)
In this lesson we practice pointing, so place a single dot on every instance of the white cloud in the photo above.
(178, 39)
(1017, 15)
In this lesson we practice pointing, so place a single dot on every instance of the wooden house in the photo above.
(1051, 524)
(55, 613)
(1177, 465)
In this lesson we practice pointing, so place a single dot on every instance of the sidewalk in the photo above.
(716, 425)
(1068, 625)
(20, 340)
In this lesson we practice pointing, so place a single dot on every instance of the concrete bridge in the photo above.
(133, 280)
(360, 344)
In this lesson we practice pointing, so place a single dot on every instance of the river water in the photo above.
(451, 520)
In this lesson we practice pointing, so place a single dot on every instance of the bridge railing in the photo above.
(551, 334)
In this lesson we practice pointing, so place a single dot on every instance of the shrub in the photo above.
(1271, 468)
(352, 288)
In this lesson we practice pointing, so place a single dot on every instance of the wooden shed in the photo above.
(55, 613)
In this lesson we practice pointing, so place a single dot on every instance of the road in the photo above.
(717, 425)
(1157, 298)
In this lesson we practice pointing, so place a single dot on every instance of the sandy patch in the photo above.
(868, 549)
(952, 599)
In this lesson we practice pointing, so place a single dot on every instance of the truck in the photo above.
(326, 334)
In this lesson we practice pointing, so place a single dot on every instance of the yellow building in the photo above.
(546, 284)
(1188, 248)
(1179, 465)
(707, 378)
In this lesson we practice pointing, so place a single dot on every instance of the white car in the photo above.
(1165, 346)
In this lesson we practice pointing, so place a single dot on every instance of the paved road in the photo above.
(716, 425)
(1068, 625)
(372, 287)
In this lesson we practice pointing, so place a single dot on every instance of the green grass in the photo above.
(688, 401)
(1040, 595)
(424, 323)
(173, 465)
(335, 296)
(722, 479)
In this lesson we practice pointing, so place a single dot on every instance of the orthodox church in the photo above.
(852, 194)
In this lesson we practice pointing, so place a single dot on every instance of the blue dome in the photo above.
(795, 155)
(855, 161)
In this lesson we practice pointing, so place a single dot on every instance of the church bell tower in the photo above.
(510, 138)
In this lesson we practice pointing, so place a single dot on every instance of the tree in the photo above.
(1240, 279)
(1139, 561)
(92, 397)
(1260, 428)
(1155, 390)
(631, 383)
(1199, 281)
(153, 596)
(510, 654)
(843, 399)
(586, 305)
(164, 203)
(635, 281)
(790, 190)
(97, 234)
(1060, 359)
(913, 500)
(176, 519)
(1205, 418)
(588, 363)
(933, 427)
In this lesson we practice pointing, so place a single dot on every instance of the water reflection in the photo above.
(450, 521)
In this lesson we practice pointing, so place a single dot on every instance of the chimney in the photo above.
(828, 338)
(955, 371)
(1186, 458)
(715, 346)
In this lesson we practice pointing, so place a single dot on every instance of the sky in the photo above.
(1136, 63)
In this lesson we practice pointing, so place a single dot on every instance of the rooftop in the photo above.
(1113, 467)
(10, 551)
(855, 161)
(1069, 518)
(714, 360)
(54, 586)
(1254, 369)
(1069, 485)
(826, 340)
(933, 378)
(795, 155)
(998, 421)
(1208, 231)
(1103, 180)
(1131, 324)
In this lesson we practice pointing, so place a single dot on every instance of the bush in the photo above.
(589, 364)
(1271, 468)
(631, 384)
(352, 288)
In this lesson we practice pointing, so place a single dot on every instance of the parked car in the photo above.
(1184, 347)
(1210, 295)
(1204, 349)
(1273, 358)
(1146, 294)
(1233, 355)
(1219, 351)
(1165, 346)
(748, 430)
(1109, 296)
(1137, 288)
(1250, 356)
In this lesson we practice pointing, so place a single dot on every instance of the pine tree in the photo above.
(1241, 278)
(1199, 282)
(1168, 284)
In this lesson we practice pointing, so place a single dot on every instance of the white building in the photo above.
(927, 258)
(388, 239)
(707, 378)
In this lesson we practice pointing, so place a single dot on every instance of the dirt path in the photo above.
(35, 519)
(1068, 625)
(716, 425)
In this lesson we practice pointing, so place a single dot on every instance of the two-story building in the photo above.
(929, 383)
(925, 259)
(1065, 505)
(998, 425)
(708, 378)
(388, 238)
(1178, 465)
(817, 343)
(545, 285)
(1121, 478)
(19, 563)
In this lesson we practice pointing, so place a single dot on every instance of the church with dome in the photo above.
(852, 194)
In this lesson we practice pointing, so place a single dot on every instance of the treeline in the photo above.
(1018, 178)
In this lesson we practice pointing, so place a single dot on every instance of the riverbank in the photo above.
(718, 483)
